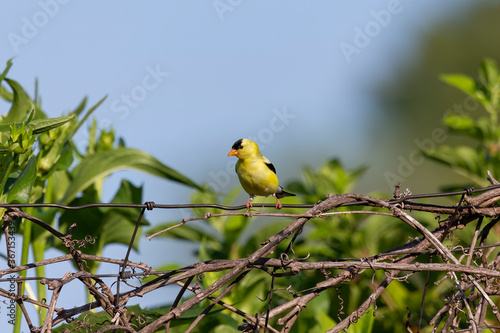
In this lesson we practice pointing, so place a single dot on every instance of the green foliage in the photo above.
(486, 89)
(99, 165)
(330, 178)
(233, 237)
(351, 235)
(61, 173)
(102, 225)
(17, 145)
(19, 191)
(91, 322)
(56, 172)
(346, 236)
(472, 161)
(18, 132)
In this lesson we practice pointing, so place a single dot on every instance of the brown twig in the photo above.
(477, 283)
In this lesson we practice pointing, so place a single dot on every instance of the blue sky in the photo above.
(186, 79)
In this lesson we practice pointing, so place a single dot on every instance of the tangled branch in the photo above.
(474, 283)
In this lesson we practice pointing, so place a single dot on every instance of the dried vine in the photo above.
(475, 281)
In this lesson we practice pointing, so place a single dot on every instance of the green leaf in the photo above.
(226, 328)
(488, 72)
(325, 321)
(21, 104)
(161, 268)
(20, 190)
(363, 324)
(79, 109)
(463, 159)
(462, 82)
(103, 225)
(481, 129)
(6, 70)
(489, 79)
(6, 95)
(97, 320)
(40, 125)
(263, 233)
(55, 187)
(117, 228)
(29, 117)
(486, 90)
(127, 193)
(101, 164)
(9, 148)
(141, 318)
(66, 158)
(459, 123)
(43, 125)
(332, 177)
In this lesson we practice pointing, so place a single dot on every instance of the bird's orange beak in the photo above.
(233, 152)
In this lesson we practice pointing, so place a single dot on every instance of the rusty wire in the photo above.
(151, 205)
(124, 275)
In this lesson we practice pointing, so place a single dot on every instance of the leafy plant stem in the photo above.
(38, 251)
(24, 260)
(93, 266)
(493, 113)
(6, 176)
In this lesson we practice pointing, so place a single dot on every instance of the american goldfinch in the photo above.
(256, 173)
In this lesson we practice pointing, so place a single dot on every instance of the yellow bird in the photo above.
(256, 173)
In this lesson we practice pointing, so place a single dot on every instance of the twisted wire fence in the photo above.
(473, 269)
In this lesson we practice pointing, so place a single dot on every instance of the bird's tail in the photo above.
(281, 193)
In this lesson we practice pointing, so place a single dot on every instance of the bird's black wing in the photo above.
(269, 165)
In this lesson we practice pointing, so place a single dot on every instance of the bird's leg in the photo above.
(278, 203)
(249, 203)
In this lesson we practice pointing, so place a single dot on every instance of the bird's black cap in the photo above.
(237, 145)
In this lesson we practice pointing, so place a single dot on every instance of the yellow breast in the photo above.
(256, 178)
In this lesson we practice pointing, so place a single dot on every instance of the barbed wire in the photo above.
(472, 206)
(150, 204)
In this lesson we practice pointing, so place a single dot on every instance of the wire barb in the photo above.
(150, 205)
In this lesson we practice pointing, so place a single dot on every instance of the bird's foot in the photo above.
(249, 205)
(278, 204)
